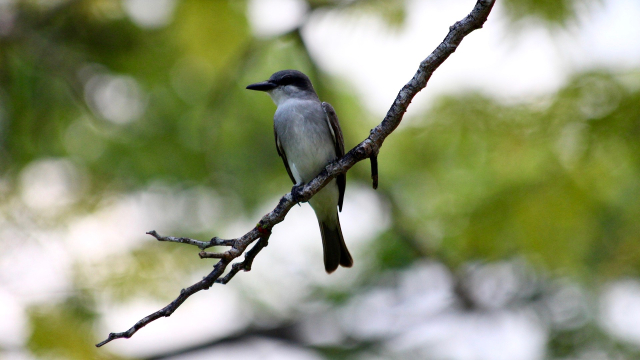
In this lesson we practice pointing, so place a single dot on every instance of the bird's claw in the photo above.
(296, 192)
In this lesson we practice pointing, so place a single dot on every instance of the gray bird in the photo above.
(308, 137)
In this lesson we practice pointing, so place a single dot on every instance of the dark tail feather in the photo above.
(335, 250)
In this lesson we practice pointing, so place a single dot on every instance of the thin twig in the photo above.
(201, 244)
(366, 149)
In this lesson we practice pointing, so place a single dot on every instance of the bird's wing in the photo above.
(283, 156)
(338, 141)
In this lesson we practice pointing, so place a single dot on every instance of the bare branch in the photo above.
(368, 148)
(201, 244)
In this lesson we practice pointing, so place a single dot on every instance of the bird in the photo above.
(308, 137)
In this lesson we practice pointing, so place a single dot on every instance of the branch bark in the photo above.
(368, 148)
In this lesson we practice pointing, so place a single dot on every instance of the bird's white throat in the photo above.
(283, 93)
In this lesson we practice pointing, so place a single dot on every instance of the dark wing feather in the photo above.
(283, 156)
(338, 141)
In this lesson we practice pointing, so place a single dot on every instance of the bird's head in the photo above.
(286, 84)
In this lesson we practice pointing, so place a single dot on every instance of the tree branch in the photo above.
(201, 244)
(368, 148)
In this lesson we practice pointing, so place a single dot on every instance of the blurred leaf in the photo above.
(551, 12)
(393, 12)
(65, 331)
(392, 252)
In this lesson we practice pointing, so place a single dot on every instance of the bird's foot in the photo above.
(296, 192)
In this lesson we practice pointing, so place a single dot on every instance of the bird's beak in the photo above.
(262, 86)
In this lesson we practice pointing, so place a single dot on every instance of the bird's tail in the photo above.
(335, 250)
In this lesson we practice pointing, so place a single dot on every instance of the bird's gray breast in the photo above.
(305, 137)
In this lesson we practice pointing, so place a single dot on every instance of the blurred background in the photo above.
(506, 225)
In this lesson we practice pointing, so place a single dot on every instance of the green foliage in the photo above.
(64, 331)
(552, 12)
(556, 182)
(394, 251)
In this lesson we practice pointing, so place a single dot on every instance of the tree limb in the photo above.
(368, 148)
